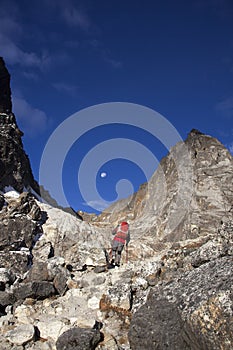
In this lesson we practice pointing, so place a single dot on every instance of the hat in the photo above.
(124, 223)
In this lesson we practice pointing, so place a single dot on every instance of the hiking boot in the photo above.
(111, 266)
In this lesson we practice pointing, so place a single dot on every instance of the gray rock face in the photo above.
(19, 227)
(185, 314)
(187, 196)
(164, 328)
(78, 339)
(15, 169)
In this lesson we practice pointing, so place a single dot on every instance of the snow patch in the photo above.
(10, 192)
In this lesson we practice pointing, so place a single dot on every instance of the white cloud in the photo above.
(104, 53)
(226, 107)
(11, 32)
(10, 26)
(75, 17)
(66, 88)
(72, 12)
(14, 55)
(30, 76)
(31, 120)
(114, 63)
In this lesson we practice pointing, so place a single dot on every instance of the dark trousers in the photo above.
(117, 248)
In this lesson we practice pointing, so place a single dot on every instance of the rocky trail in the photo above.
(180, 296)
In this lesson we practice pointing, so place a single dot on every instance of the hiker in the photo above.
(121, 238)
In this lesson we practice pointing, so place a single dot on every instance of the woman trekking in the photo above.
(121, 238)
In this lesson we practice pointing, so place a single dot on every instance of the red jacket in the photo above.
(122, 233)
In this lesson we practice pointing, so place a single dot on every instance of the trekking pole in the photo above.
(126, 254)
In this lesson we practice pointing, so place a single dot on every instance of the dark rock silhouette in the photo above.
(5, 90)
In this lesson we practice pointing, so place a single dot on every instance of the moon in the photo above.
(103, 174)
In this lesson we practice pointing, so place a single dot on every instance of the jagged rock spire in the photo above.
(15, 168)
(5, 90)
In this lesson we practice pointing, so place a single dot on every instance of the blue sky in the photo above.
(175, 57)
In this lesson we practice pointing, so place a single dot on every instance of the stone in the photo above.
(21, 334)
(51, 328)
(36, 290)
(15, 261)
(89, 262)
(39, 345)
(6, 298)
(17, 232)
(60, 281)
(78, 339)
(38, 272)
(6, 345)
(42, 250)
(93, 303)
(163, 327)
(23, 313)
(98, 280)
(99, 269)
(119, 295)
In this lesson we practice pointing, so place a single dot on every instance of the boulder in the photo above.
(21, 334)
(38, 272)
(36, 290)
(192, 312)
(6, 298)
(15, 261)
(60, 281)
(79, 339)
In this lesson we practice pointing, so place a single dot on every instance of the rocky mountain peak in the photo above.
(187, 195)
(15, 169)
(194, 132)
